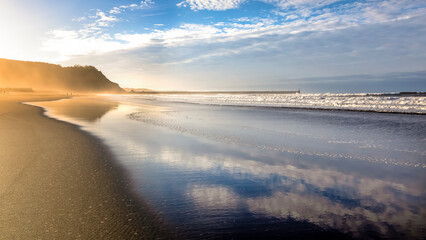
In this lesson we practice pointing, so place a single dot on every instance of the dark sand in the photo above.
(58, 182)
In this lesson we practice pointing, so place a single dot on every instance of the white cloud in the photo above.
(92, 32)
(146, 3)
(342, 41)
(242, 19)
(79, 19)
(299, 3)
(103, 20)
(216, 5)
(94, 24)
(291, 17)
(143, 4)
(349, 15)
(115, 10)
(188, 34)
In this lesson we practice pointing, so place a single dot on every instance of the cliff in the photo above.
(45, 76)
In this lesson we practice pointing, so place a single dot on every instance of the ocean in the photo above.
(270, 166)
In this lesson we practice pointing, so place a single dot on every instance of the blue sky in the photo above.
(314, 45)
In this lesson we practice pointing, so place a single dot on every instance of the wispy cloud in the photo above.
(103, 20)
(91, 38)
(332, 38)
(93, 24)
(142, 4)
(216, 5)
(344, 16)
(298, 3)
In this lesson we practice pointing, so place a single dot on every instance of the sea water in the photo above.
(217, 171)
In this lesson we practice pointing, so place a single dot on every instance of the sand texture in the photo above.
(57, 182)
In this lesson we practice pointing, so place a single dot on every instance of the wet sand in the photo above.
(58, 182)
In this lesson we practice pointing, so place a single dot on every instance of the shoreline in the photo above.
(392, 106)
(300, 108)
(219, 172)
(58, 181)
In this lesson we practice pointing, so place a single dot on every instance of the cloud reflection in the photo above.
(350, 203)
(213, 197)
(329, 214)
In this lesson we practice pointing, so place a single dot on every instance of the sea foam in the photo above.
(377, 102)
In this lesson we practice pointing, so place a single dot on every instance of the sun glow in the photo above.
(20, 35)
(11, 33)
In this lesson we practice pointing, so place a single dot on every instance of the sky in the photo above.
(311, 45)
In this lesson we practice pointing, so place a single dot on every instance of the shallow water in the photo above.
(251, 172)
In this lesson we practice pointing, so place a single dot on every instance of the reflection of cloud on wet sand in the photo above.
(326, 213)
(213, 197)
(382, 204)
(352, 200)
(365, 187)
(85, 109)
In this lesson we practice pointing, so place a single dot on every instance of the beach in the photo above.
(58, 182)
(216, 171)
(213, 119)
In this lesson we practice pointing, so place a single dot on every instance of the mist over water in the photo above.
(252, 172)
